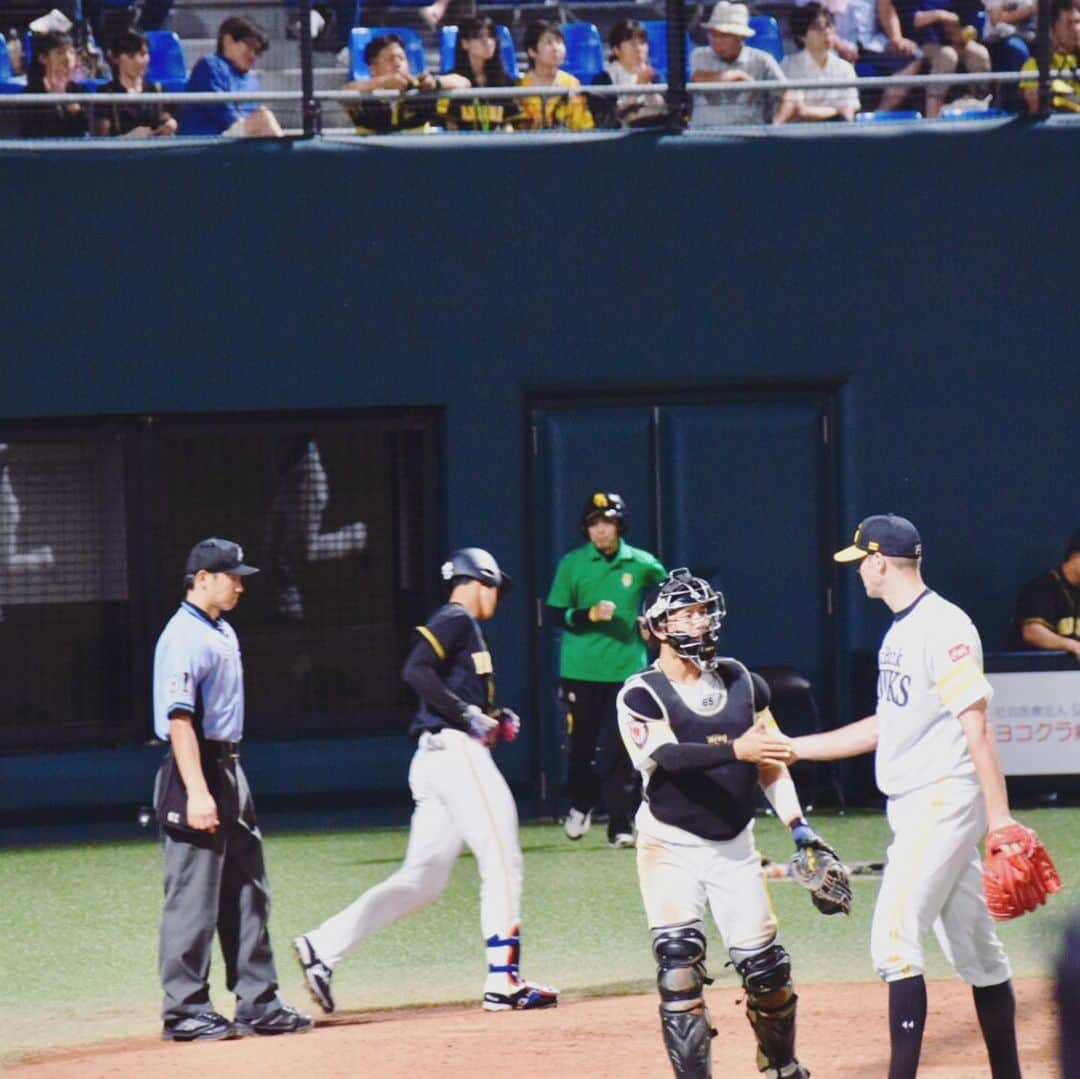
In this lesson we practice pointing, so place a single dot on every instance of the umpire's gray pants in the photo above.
(217, 881)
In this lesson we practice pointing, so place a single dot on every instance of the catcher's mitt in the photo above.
(1018, 874)
(817, 868)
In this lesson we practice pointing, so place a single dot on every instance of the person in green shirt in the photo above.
(595, 600)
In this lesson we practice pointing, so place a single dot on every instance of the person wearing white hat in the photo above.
(727, 58)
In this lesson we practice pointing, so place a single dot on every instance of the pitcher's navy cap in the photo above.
(885, 534)
(217, 556)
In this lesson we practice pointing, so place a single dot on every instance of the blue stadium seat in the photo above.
(887, 117)
(361, 35)
(656, 29)
(448, 42)
(767, 36)
(8, 85)
(974, 114)
(584, 50)
(166, 60)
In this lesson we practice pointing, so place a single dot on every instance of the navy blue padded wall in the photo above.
(481, 291)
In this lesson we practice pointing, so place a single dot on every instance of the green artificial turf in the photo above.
(79, 942)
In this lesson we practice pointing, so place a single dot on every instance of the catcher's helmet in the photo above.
(605, 504)
(479, 565)
(683, 589)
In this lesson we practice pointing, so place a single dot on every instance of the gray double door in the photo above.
(737, 486)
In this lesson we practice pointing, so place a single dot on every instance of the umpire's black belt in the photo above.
(222, 750)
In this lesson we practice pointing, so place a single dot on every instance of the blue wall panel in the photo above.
(301, 276)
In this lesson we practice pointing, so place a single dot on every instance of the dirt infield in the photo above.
(842, 1035)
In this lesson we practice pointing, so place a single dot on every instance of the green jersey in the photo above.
(603, 651)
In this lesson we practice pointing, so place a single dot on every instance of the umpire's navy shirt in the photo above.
(197, 669)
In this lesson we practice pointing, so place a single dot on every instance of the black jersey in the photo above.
(717, 803)
(450, 668)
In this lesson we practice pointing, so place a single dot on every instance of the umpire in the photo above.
(595, 599)
(215, 879)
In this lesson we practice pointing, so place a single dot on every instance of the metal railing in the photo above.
(677, 91)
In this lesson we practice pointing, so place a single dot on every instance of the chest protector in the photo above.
(718, 803)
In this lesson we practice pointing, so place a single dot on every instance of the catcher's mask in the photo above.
(683, 589)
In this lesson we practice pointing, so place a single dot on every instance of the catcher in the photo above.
(937, 762)
(699, 730)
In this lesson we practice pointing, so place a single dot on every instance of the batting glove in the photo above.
(509, 724)
(480, 724)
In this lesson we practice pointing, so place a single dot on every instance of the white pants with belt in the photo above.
(461, 797)
(933, 880)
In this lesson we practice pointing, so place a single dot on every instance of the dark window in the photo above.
(335, 510)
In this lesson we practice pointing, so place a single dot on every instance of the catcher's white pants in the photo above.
(678, 880)
(933, 879)
(461, 797)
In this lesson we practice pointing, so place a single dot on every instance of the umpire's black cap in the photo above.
(217, 556)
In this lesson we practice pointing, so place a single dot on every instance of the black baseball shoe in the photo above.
(528, 997)
(282, 1020)
(204, 1027)
(317, 974)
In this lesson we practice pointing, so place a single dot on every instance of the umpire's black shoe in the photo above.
(204, 1027)
(282, 1020)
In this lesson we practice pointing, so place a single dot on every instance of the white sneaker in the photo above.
(622, 840)
(577, 823)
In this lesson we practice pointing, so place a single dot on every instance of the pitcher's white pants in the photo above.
(933, 880)
(461, 797)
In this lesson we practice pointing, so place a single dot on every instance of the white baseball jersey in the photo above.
(930, 670)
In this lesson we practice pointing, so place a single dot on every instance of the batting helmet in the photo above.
(478, 565)
(605, 504)
(683, 589)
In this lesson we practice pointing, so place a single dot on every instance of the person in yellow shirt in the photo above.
(546, 49)
(1064, 41)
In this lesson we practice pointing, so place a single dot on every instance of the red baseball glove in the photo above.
(1018, 874)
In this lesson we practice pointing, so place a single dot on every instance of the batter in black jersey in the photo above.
(699, 730)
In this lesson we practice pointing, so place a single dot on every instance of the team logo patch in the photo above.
(482, 662)
(627, 580)
(958, 652)
(179, 684)
(639, 732)
(717, 739)
(600, 500)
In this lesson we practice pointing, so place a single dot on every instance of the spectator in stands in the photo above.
(1010, 32)
(1048, 608)
(727, 58)
(947, 39)
(546, 48)
(240, 43)
(415, 110)
(861, 37)
(1064, 43)
(478, 59)
(51, 73)
(814, 30)
(627, 65)
(129, 57)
